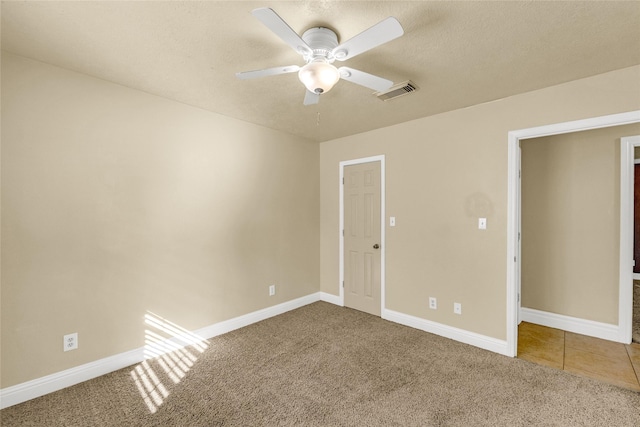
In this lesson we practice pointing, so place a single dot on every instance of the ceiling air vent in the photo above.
(400, 89)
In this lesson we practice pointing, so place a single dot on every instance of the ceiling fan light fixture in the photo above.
(319, 76)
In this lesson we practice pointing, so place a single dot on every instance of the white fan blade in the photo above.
(381, 33)
(311, 98)
(276, 24)
(267, 72)
(365, 79)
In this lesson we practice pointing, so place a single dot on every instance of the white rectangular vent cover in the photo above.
(400, 89)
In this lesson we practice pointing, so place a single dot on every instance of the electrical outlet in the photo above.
(70, 342)
(433, 303)
(457, 308)
(272, 290)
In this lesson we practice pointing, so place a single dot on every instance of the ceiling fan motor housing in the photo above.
(322, 41)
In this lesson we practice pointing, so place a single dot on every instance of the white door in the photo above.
(362, 238)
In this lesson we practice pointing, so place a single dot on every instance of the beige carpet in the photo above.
(323, 365)
(635, 334)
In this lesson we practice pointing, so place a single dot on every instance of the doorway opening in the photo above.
(623, 328)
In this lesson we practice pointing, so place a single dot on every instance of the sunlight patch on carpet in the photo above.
(171, 347)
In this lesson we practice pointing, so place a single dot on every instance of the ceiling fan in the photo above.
(319, 48)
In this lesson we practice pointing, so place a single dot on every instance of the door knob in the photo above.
(376, 246)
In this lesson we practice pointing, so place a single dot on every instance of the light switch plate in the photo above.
(482, 223)
(392, 221)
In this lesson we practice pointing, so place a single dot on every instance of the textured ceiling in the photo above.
(458, 53)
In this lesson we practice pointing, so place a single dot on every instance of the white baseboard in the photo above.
(257, 316)
(636, 276)
(19, 393)
(330, 298)
(482, 341)
(590, 328)
(35, 388)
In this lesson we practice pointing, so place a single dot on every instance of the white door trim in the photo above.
(383, 249)
(636, 276)
(627, 165)
(513, 222)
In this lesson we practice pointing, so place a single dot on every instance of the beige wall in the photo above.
(443, 172)
(116, 202)
(571, 223)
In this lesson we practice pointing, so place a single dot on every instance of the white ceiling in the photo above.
(458, 53)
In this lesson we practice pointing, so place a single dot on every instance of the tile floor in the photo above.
(607, 361)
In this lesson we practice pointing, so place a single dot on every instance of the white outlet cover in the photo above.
(457, 308)
(70, 342)
(433, 303)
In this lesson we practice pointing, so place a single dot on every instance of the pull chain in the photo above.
(318, 119)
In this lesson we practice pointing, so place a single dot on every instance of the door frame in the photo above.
(636, 276)
(625, 304)
(383, 249)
